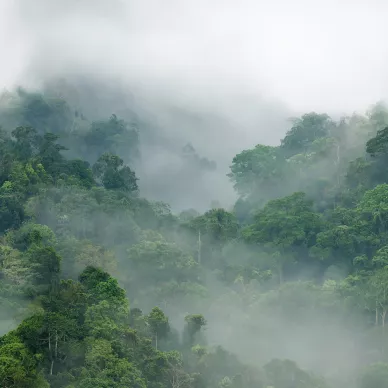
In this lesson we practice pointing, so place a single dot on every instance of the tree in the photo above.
(286, 374)
(377, 291)
(114, 136)
(177, 376)
(338, 244)
(113, 175)
(41, 111)
(158, 324)
(219, 224)
(288, 226)
(212, 231)
(377, 149)
(194, 323)
(47, 265)
(157, 262)
(12, 212)
(305, 131)
(50, 154)
(18, 367)
(378, 145)
(259, 171)
(27, 142)
(373, 208)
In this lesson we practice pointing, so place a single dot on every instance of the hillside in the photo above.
(101, 287)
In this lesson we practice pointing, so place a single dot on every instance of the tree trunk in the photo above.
(383, 315)
(338, 162)
(56, 344)
(280, 274)
(199, 247)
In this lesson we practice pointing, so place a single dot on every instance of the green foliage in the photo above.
(113, 136)
(304, 248)
(305, 131)
(285, 373)
(288, 226)
(260, 168)
(113, 175)
(158, 324)
(194, 323)
(18, 365)
(216, 224)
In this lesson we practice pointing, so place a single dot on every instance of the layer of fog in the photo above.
(310, 54)
(223, 75)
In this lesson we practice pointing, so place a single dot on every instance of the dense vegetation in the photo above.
(109, 289)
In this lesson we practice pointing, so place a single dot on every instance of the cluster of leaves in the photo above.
(72, 230)
(76, 329)
(30, 161)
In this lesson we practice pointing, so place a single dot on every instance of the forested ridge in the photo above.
(102, 288)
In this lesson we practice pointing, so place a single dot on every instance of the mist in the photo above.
(205, 70)
(220, 77)
(293, 53)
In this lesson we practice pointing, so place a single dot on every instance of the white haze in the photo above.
(311, 55)
(244, 67)
(223, 74)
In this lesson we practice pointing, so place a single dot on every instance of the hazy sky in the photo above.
(222, 74)
(312, 55)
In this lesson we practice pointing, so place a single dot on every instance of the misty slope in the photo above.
(166, 130)
(291, 282)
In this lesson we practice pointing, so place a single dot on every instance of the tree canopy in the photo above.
(102, 287)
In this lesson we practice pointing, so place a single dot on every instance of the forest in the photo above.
(101, 287)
